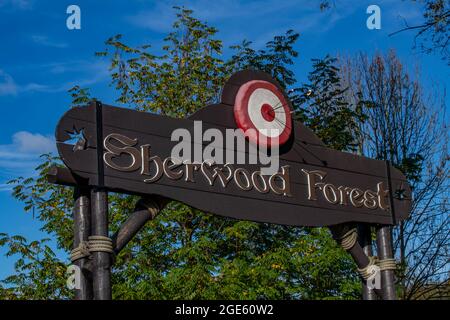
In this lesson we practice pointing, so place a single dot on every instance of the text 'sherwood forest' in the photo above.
(129, 151)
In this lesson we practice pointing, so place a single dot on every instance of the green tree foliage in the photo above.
(321, 104)
(39, 273)
(185, 253)
(80, 96)
(274, 59)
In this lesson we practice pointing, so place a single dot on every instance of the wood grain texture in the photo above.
(303, 151)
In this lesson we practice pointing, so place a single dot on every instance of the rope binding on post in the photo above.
(369, 270)
(80, 252)
(348, 239)
(152, 206)
(95, 244)
(387, 264)
(100, 244)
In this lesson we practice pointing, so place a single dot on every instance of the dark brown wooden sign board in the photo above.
(382, 194)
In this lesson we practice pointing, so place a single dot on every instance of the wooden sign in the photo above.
(132, 152)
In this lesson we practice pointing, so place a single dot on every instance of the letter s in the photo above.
(115, 151)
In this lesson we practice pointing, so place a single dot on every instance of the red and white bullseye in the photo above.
(263, 113)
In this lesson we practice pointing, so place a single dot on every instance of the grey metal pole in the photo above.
(82, 229)
(385, 251)
(101, 260)
(365, 240)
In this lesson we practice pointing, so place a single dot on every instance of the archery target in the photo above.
(260, 105)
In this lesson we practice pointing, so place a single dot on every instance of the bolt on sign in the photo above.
(132, 152)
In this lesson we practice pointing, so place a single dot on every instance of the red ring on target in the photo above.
(260, 105)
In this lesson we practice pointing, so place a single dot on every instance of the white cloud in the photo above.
(17, 4)
(255, 20)
(21, 156)
(7, 84)
(35, 87)
(27, 142)
(26, 145)
(5, 187)
(162, 15)
(260, 20)
(45, 41)
(160, 19)
(87, 73)
(9, 87)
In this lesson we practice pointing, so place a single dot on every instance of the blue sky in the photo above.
(40, 59)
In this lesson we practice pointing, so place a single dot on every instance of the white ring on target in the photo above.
(257, 99)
